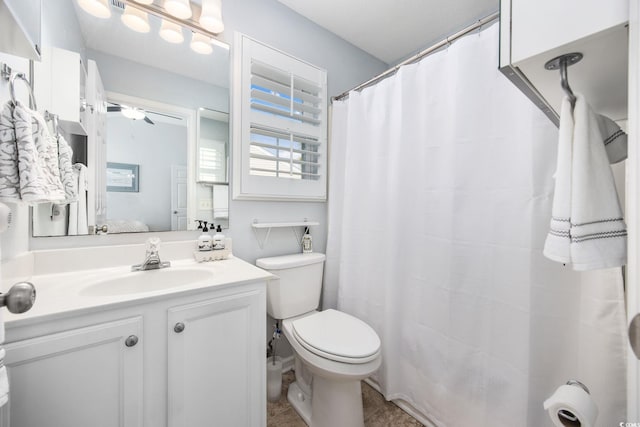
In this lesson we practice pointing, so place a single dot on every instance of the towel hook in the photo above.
(562, 62)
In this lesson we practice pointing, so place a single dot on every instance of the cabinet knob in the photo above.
(20, 297)
(131, 341)
(178, 327)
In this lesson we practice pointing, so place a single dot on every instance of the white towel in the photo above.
(9, 178)
(38, 165)
(68, 178)
(78, 210)
(586, 214)
(558, 244)
(614, 139)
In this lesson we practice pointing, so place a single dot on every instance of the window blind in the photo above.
(283, 125)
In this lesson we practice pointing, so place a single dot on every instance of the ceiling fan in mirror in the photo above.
(135, 113)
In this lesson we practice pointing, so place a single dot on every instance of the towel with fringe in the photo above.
(587, 227)
(31, 151)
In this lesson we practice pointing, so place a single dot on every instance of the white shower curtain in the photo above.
(439, 202)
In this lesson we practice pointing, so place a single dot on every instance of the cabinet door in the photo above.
(217, 362)
(78, 378)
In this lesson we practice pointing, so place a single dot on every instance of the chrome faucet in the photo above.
(152, 258)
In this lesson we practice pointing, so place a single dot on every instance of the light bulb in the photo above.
(136, 19)
(171, 32)
(201, 44)
(181, 9)
(97, 8)
(132, 113)
(211, 16)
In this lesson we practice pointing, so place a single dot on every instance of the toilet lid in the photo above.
(337, 336)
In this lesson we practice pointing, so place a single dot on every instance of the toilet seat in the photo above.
(337, 336)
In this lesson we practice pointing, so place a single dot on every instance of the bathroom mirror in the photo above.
(165, 116)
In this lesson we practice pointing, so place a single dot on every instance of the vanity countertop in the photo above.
(72, 293)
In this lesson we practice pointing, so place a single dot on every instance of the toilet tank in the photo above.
(297, 289)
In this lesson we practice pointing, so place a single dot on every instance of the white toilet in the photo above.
(333, 350)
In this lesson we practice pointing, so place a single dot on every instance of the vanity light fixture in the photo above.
(201, 44)
(171, 32)
(176, 15)
(211, 16)
(136, 19)
(181, 9)
(97, 8)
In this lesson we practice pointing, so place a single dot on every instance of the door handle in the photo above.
(20, 297)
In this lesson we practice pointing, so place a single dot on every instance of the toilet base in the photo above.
(336, 403)
(300, 402)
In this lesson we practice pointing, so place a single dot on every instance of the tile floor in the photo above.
(377, 411)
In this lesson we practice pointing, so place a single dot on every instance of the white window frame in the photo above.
(255, 187)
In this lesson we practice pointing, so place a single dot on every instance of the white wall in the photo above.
(155, 148)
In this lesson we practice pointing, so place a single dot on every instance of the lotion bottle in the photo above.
(307, 242)
(205, 243)
(218, 238)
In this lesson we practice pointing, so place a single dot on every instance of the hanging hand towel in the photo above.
(558, 244)
(68, 178)
(78, 210)
(598, 231)
(614, 139)
(38, 166)
(587, 227)
(9, 177)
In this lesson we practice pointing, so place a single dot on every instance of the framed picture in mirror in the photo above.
(122, 177)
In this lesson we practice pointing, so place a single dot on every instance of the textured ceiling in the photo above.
(392, 30)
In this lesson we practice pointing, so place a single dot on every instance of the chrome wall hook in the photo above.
(561, 63)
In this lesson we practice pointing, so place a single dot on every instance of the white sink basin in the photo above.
(147, 281)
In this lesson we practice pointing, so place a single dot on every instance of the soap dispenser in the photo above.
(307, 242)
(218, 238)
(205, 243)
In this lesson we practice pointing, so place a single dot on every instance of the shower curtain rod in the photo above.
(421, 54)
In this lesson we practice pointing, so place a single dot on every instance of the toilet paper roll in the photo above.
(571, 406)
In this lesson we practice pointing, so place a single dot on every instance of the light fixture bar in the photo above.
(190, 23)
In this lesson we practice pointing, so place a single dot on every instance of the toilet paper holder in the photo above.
(568, 415)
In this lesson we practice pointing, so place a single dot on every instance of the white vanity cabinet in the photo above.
(215, 362)
(90, 376)
(199, 360)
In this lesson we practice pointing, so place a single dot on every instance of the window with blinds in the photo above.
(282, 103)
(212, 161)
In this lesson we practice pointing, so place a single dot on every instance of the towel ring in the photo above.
(562, 62)
(12, 90)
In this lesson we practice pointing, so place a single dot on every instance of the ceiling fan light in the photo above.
(136, 19)
(201, 44)
(97, 8)
(132, 113)
(211, 16)
(171, 32)
(181, 9)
